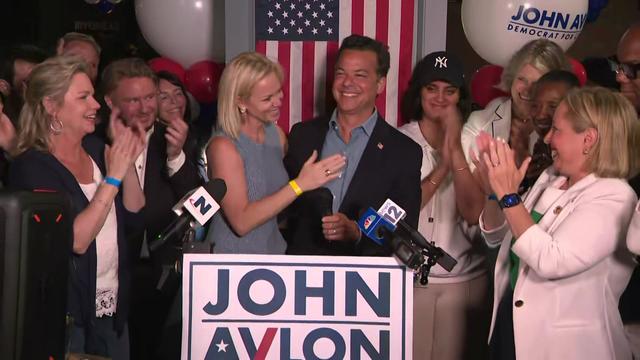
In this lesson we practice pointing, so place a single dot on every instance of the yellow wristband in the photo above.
(296, 188)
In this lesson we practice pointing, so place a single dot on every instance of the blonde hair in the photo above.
(238, 79)
(614, 118)
(76, 36)
(542, 54)
(49, 79)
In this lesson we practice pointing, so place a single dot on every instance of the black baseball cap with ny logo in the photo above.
(442, 66)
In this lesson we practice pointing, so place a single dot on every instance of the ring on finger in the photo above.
(327, 172)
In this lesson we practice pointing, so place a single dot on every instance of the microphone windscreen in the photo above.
(325, 201)
(217, 188)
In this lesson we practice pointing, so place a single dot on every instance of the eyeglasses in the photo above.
(628, 70)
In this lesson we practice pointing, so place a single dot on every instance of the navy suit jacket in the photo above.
(162, 191)
(40, 170)
(388, 169)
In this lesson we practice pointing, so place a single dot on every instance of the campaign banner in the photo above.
(296, 307)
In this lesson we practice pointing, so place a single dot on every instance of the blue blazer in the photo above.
(41, 170)
(388, 169)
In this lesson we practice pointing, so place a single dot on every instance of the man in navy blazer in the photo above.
(382, 163)
(166, 171)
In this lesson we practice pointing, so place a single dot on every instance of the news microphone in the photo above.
(374, 226)
(197, 206)
(387, 223)
(324, 201)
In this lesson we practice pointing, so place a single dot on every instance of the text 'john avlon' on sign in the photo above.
(296, 307)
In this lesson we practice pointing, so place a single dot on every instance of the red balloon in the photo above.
(166, 64)
(202, 80)
(483, 84)
(578, 70)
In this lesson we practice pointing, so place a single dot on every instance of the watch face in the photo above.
(510, 200)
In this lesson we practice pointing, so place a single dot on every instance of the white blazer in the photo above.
(633, 236)
(494, 119)
(573, 268)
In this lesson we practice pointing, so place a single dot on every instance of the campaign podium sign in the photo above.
(296, 307)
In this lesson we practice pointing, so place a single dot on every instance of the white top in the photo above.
(141, 162)
(633, 236)
(494, 119)
(574, 266)
(440, 221)
(106, 253)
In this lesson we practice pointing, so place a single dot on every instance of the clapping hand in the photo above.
(497, 163)
(127, 145)
(8, 137)
(176, 135)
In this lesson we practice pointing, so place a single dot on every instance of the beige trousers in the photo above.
(451, 321)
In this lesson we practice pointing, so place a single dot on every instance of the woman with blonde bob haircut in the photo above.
(58, 153)
(615, 120)
(246, 152)
(562, 246)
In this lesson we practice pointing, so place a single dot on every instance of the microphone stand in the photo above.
(419, 257)
(187, 245)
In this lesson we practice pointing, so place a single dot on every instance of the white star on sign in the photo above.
(300, 31)
(222, 346)
(314, 31)
(329, 31)
(285, 31)
(270, 13)
(277, 6)
(278, 22)
(270, 30)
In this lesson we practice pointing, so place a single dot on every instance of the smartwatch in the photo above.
(509, 200)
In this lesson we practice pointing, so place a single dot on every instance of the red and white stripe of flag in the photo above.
(307, 83)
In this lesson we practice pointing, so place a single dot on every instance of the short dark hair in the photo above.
(557, 76)
(27, 52)
(364, 43)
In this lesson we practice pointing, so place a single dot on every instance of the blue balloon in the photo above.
(595, 6)
(106, 7)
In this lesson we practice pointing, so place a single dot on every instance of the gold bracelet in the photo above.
(296, 188)
(462, 168)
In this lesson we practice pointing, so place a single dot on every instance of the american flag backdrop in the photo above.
(304, 36)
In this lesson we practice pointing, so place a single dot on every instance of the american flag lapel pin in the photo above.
(380, 146)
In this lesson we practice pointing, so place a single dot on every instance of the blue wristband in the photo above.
(112, 181)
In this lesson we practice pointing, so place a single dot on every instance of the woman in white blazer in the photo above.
(562, 263)
(633, 236)
(508, 117)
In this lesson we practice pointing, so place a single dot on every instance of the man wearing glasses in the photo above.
(627, 75)
(629, 64)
